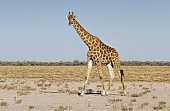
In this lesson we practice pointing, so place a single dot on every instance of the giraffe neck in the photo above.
(84, 35)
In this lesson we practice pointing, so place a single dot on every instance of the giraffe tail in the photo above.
(121, 75)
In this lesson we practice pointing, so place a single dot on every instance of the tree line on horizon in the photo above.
(80, 63)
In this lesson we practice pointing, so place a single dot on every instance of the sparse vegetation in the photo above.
(112, 101)
(77, 73)
(65, 80)
(31, 107)
(161, 105)
(25, 90)
(126, 108)
(144, 92)
(61, 91)
(17, 101)
(133, 100)
(80, 63)
(143, 105)
(134, 95)
(155, 97)
(61, 108)
(73, 91)
(141, 93)
(3, 103)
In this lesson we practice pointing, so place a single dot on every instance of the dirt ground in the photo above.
(47, 95)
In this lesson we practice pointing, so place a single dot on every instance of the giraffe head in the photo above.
(70, 18)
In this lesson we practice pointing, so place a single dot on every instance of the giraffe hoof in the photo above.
(124, 94)
(82, 93)
(107, 93)
(103, 93)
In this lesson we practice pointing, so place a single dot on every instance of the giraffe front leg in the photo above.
(101, 78)
(110, 68)
(90, 63)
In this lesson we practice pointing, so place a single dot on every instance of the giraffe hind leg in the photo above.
(122, 77)
(101, 77)
(111, 73)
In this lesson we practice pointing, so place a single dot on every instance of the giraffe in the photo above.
(98, 53)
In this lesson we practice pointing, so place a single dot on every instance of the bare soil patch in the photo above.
(41, 94)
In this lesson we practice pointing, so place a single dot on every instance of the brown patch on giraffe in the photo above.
(90, 38)
(102, 51)
(81, 29)
(86, 41)
(85, 33)
(97, 48)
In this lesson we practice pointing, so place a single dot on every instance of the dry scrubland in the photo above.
(77, 73)
(55, 88)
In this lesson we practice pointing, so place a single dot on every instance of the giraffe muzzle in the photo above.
(70, 23)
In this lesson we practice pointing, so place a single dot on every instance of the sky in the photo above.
(37, 30)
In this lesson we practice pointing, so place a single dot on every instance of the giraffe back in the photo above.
(99, 51)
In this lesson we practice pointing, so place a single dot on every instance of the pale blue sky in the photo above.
(37, 30)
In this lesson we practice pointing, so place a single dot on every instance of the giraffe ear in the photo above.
(66, 16)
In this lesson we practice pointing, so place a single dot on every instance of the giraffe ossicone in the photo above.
(98, 53)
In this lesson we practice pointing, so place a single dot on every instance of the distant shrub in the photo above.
(80, 63)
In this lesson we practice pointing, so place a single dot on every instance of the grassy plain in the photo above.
(77, 73)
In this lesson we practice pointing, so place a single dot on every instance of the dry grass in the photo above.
(155, 97)
(126, 108)
(133, 100)
(161, 105)
(77, 73)
(61, 91)
(73, 91)
(17, 101)
(63, 108)
(25, 90)
(141, 93)
(8, 87)
(3, 103)
(31, 107)
(113, 101)
(143, 105)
